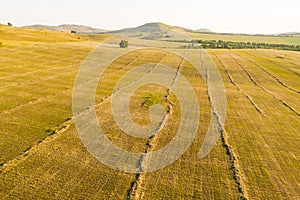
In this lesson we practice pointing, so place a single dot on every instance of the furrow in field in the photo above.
(103, 100)
(55, 94)
(38, 62)
(276, 115)
(134, 191)
(283, 67)
(279, 65)
(46, 70)
(269, 92)
(237, 175)
(36, 101)
(29, 82)
(62, 128)
(267, 72)
(238, 88)
(284, 57)
(33, 72)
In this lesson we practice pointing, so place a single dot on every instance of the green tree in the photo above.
(123, 44)
(9, 24)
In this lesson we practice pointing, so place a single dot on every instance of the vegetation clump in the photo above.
(123, 44)
(151, 99)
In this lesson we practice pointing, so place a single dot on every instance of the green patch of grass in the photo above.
(152, 99)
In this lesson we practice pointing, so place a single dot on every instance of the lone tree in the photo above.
(9, 24)
(123, 44)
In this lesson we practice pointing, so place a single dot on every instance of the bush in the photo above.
(151, 99)
(72, 31)
(9, 24)
(123, 44)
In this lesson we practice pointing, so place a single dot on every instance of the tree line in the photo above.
(221, 44)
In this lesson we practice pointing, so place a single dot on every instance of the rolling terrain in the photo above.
(68, 28)
(42, 156)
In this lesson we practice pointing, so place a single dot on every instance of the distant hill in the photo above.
(68, 28)
(204, 30)
(15, 35)
(152, 27)
(290, 34)
(161, 31)
(154, 31)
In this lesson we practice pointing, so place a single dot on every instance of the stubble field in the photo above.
(42, 157)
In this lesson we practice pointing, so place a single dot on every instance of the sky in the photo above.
(225, 16)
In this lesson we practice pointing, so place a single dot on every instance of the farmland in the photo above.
(42, 156)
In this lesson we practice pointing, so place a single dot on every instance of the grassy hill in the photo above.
(160, 31)
(10, 35)
(68, 28)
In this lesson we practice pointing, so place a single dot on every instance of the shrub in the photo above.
(151, 99)
(123, 44)
(72, 31)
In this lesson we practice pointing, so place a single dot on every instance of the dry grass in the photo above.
(267, 146)
(36, 86)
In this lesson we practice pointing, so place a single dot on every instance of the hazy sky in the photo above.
(239, 16)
